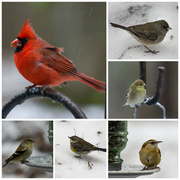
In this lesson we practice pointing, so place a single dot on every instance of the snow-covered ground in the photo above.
(68, 166)
(133, 13)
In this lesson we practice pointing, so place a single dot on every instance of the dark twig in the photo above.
(47, 92)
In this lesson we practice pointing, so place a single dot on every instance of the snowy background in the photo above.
(68, 166)
(133, 13)
(166, 131)
(12, 134)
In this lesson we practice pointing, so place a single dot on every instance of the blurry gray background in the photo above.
(122, 74)
(78, 27)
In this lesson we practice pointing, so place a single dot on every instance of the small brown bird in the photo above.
(150, 155)
(22, 152)
(147, 34)
(82, 147)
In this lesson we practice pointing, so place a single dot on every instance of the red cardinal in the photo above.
(43, 65)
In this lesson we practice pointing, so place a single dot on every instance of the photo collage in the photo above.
(116, 115)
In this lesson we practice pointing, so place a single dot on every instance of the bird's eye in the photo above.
(141, 84)
(26, 39)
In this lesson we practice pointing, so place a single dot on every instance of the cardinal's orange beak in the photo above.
(16, 43)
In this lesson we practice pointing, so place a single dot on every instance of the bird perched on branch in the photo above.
(147, 34)
(43, 64)
(136, 94)
(82, 147)
(23, 152)
(150, 154)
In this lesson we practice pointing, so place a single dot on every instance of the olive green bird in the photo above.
(23, 152)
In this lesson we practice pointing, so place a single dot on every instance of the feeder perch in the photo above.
(117, 142)
(43, 162)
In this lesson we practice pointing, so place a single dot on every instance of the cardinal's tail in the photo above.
(94, 83)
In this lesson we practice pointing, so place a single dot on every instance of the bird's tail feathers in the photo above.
(100, 149)
(6, 162)
(119, 26)
(94, 83)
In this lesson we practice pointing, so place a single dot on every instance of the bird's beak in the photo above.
(16, 43)
(158, 142)
(169, 28)
(145, 86)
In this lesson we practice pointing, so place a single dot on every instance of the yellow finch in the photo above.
(150, 155)
(22, 152)
(82, 147)
(136, 94)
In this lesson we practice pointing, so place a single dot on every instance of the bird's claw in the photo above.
(24, 161)
(149, 168)
(78, 157)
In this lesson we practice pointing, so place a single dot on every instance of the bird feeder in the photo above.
(43, 162)
(117, 138)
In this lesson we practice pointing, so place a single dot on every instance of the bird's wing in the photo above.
(53, 59)
(127, 93)
(141, 32)
(160, 152)
(147, 158)
(19, 152)
(152, 35)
